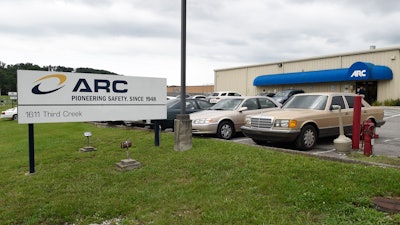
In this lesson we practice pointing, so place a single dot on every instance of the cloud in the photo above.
(142, 38)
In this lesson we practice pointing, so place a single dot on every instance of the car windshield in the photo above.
(317, 102)
(227, 104)
(173, 103)
(282, 93)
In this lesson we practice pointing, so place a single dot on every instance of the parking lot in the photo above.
(388, 143)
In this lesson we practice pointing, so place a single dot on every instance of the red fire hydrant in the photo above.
(368, 135)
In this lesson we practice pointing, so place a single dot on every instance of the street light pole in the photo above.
(183, 58)
(182, 123)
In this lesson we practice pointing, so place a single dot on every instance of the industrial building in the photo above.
(190, 90)
(377, 70)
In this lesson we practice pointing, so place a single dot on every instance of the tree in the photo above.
(8, 73)
(90, 70)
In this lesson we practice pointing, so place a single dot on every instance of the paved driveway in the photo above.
(388, 142)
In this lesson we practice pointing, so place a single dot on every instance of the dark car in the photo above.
(268, 94)
(283, 96)
(174, 108)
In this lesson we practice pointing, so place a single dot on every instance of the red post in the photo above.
(356, 122)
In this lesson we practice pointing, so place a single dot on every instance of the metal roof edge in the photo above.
(313, 58)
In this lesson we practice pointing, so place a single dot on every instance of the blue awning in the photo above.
(359, 71)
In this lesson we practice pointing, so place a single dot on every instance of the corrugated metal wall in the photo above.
(232, 80)
(241, 79)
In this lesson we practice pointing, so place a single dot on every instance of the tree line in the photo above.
(8, 73)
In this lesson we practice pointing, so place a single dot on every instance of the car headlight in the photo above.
(247, 122)
(202, 121)
(285, 123)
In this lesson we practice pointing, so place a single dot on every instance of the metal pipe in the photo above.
(31, 148)
(183, 58)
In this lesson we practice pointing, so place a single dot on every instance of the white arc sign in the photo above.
(46, 97)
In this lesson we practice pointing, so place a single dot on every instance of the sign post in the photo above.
(31, 135)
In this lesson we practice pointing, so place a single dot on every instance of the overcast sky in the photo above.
(142, 37)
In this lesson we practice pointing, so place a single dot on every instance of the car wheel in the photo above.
(225, 130)
(307, 138)
(15, 117)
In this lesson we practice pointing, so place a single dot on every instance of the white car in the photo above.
(198, 97)
(10, 114)
(216, 96)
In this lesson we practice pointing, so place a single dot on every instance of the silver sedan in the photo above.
(227, 116)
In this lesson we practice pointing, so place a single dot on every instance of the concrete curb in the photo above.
(331, 157)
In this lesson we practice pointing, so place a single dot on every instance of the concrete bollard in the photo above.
(183, 132)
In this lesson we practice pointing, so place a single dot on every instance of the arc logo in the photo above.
(359, 73)
(61, 80)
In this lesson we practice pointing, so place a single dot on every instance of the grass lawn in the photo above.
(215, 182)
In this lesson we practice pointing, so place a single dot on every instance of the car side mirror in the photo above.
(242, 109)
(335, 107)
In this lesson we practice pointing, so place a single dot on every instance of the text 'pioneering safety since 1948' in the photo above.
(94, 98)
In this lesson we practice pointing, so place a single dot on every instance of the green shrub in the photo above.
(387, 102)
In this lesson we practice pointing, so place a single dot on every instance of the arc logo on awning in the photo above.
(359, 73)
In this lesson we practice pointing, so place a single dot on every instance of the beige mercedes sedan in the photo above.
(307, 117)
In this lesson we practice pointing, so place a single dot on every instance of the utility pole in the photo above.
(183, 58)
(182, 123)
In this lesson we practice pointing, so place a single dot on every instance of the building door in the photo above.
(371, 90)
